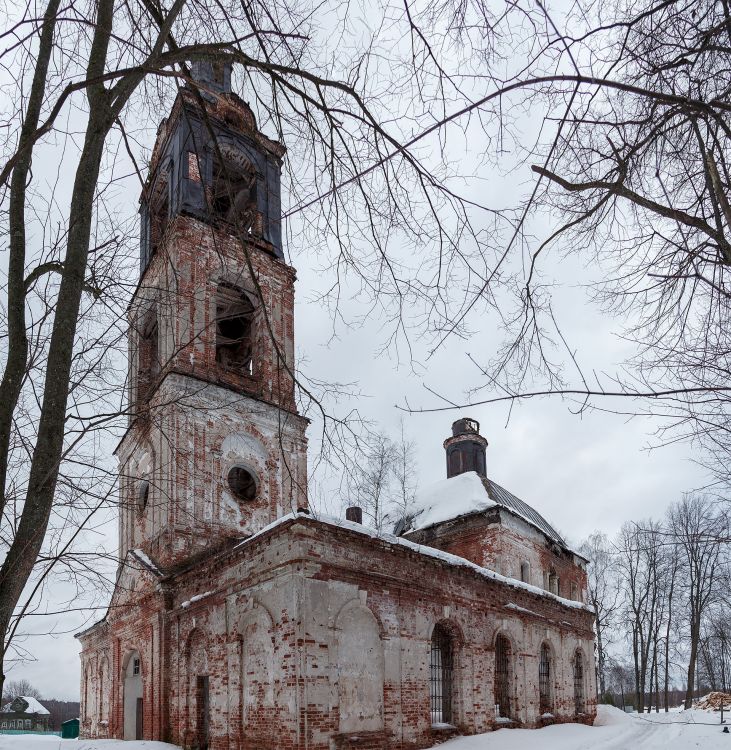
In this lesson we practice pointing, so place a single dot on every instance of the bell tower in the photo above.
(215, 448)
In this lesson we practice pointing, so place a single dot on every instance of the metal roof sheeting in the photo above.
(501, 496)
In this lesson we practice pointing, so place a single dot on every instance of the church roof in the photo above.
(463, 495)
(420, 549)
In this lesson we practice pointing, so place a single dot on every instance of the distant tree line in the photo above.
(662, 595)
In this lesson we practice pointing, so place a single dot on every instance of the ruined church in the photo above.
(242, 619)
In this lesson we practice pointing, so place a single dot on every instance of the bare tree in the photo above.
(620, 679)
(671, 574)
(371, 483)
(404, 470)
(633, 161)
(714, 664)
(694, 524)
(14, 688)
(604, 596)
(641, 568)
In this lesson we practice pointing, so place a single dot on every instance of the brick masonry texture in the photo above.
(288, 625)
(230, 632)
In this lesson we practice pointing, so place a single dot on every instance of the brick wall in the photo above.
(286, 625)
(200, 418)
(502, 541)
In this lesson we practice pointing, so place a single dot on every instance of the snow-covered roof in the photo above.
(464, 495)
(33, 706)
(421, 549)
(146, 561)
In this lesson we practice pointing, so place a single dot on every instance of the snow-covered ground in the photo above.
(614, 730)
(47, 742)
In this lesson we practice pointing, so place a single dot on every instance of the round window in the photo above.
(242, 483)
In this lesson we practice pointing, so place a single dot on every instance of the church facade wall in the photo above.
(504, 543)
(312, 635)
(179, 286)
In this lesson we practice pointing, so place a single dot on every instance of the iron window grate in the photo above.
(544, 680)
(440, 677)
(579, 682)
(502, 677)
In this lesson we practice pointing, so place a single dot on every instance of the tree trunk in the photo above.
(691, 666)
(47, 453)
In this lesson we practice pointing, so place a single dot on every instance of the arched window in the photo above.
(503, 671)
(553, 583)
(143, 495)
(234, 330)
(525, 572)
(455, 463)
(234, 190)
(133, 698)
(104, 690)
(440, 675)
(579, 682)
(198, 686)
(88, 711)
(148, 355)
(360, 664)
(544, 680)
(159, 208)
(478, 460)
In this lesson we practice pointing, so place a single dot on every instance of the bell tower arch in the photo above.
(211, 336)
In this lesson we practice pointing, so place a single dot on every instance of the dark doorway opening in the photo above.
(138, 719)
(202, 703)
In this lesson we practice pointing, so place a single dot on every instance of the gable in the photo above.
(138, 576)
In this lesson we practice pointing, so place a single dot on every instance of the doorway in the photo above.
(202, 702)
(138, 719)
(133, 713)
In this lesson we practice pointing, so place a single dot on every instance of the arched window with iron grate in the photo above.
(579, 700)
(503, 672)
(441, 667)
(544, 680)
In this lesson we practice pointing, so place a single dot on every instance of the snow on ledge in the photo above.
(194, 599)
(420, 549)
(146, 561)
(517, 608)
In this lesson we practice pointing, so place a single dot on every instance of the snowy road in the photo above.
(613, 731)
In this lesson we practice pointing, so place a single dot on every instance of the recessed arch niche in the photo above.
(360, 670)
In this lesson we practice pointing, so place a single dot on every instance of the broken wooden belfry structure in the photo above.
(242, 620)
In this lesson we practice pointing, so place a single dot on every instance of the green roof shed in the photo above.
(70, 729)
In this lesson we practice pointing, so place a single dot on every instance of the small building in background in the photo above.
(25, 713)
(70, 729)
